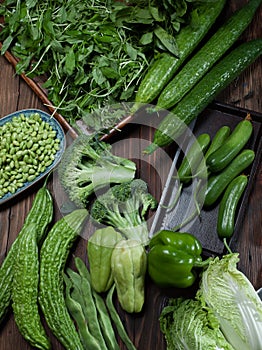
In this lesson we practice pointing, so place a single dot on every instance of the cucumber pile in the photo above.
(223, 163)
(167, 65)
(188, 92)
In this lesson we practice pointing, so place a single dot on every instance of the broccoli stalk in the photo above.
(88, 165)
(124, 207)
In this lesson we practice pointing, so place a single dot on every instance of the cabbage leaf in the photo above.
(232, 297)
(188, 325)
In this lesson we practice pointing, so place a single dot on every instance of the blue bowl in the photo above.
(59, 134)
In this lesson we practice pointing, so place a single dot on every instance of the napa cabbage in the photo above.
(225, 314)
(234, 301)
(188, 325)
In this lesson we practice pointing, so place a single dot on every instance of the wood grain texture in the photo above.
(143, 328)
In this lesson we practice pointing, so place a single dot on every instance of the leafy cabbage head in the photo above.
(234, 301)
(189, 325)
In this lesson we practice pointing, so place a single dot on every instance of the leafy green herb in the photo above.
(90, 54)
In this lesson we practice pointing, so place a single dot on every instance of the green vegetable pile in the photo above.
(218, 167)
(34, 275)
(74, 310)
(211, 68)
(27, 148)
(96, 318)
(226, 179)
(226, 312)
(91, 55)
(222, 162)
(116, 252)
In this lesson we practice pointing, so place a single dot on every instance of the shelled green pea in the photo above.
(28, 145)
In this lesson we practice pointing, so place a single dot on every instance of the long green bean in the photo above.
(102, 312)
(117, 320)
(105, 323)
(76, 312)
(93, 316)
(89, 306)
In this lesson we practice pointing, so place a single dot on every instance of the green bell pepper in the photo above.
(99, 251)
(172, 259)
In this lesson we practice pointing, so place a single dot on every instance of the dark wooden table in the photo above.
(245, 92)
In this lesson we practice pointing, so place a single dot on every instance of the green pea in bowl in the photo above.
(31, 145)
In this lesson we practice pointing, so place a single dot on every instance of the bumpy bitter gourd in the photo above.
(25, 291)
(40, 213)
(53, 257)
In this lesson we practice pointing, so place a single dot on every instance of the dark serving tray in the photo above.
(204, 226)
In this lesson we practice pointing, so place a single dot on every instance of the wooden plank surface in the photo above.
(143, 328)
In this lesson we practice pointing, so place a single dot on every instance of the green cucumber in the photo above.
(220, 137)
(223, 156)
(206, 57)
(223, 73)
(192, 158)
(217, 183)
(165, 66)
(228, 206)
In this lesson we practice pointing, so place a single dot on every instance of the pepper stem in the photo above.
(203, 263)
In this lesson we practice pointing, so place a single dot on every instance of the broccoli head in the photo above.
(88, 165)
(124, 206)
